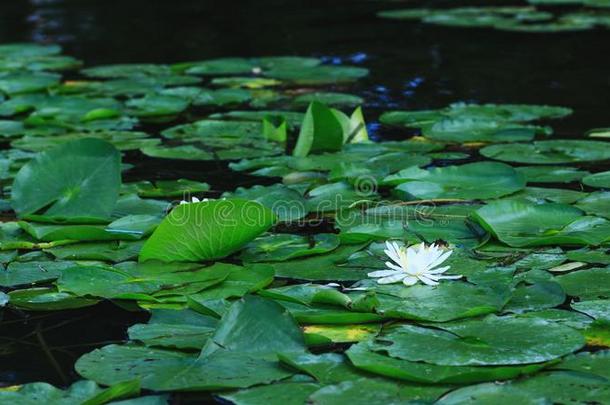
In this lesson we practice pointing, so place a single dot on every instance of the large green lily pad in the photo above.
(50, 183)
(519, 223)
(477, 342)
(481, 180)
(230, 359)
(207, 230)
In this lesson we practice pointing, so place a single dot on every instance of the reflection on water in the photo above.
(413, 65)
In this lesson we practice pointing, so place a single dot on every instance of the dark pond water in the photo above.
(412, 66)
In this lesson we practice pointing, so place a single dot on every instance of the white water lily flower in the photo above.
(193, 200)
(413, 264)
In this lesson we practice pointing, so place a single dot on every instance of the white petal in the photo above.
(427, 281)
(393, 266)
(383, 273)
(451, 277)
(409, 281)
(195, 199)
(391, 279)
(332, 285)
(432, 254)
(439, 260)
(392, 251)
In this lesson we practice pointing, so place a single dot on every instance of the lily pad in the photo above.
(207, 230)
(184, 329)
(481, 180)
(445, 302)
(81, 392)
(47, 299)
(520, 224)
(282, 247)
(549, 152)
(19, 83)
(551, 174)
(230, 359)
(367, 356)
(489, 341)
(50, 183)
(596, 309)
(555, 387)
(288, 204)
(106, 282)
(601, 180)
(597, 203)
(587, 284)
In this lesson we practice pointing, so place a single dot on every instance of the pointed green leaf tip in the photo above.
(321, 131)
(207, 230)
(78, 179)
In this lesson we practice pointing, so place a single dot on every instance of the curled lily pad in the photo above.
(207, 230)
(321, 131)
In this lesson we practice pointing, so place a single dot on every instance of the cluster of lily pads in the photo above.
(538, 17)
(271, 293)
